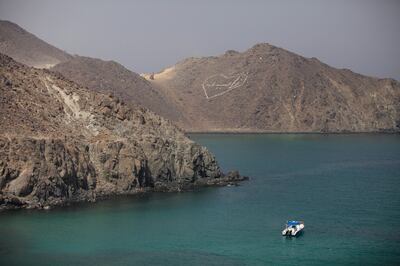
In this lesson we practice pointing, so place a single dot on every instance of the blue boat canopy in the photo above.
(289, 223)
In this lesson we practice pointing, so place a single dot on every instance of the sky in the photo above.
(149, 35)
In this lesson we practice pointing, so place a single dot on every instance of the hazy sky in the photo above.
(147, 35)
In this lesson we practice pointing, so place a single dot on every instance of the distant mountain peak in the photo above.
(28, 49)
(231, 52)
(262, 47)
(7, 23)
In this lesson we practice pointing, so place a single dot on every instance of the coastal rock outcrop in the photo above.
(62, 143)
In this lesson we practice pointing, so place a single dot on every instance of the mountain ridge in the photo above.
(28, 49)
(275, 75)
(262, 89)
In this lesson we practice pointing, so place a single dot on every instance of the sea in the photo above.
(346, 189)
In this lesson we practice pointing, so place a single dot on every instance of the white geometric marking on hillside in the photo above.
(221, 84)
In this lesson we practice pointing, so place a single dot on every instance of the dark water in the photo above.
(345, 187)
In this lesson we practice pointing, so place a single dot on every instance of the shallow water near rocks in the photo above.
(345, 187)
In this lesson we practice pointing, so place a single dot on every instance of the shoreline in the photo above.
(290, 133)
(12, 202)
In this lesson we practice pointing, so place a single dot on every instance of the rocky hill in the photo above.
(269, 89)
(111, 77)
(60, 143)
(28, 49)
(264, 89)
(96, 74)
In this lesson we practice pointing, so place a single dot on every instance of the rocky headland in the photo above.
(63, 143)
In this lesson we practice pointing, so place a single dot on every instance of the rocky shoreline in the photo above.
(62, 143)
(12, 202)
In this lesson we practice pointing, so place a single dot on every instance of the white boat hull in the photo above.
(293, 230)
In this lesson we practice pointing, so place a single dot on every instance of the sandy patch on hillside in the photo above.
(167, 73)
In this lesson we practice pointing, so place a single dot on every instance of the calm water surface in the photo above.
(345, 187)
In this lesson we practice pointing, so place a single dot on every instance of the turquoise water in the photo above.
(345, 187)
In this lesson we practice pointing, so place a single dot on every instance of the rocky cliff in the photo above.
(62, 143)
(269, 89)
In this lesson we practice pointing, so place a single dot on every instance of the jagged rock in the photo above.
(62, 143)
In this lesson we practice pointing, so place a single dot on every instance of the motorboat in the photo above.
(293, 228)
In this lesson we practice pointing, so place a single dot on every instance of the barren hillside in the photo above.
(28, 49)
(113, 78)
(267, 88)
